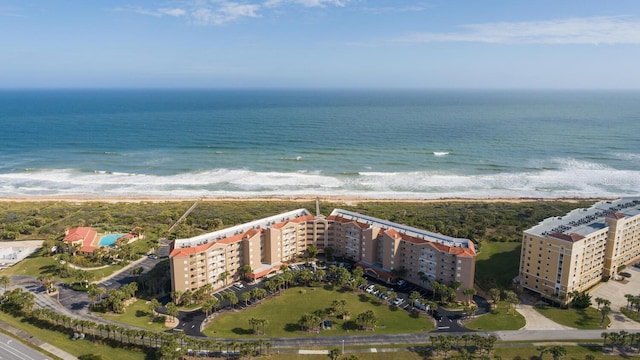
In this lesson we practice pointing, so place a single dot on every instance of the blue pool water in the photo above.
(109, 240)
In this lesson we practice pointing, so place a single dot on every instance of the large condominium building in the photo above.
(575, 251)
(382, 248)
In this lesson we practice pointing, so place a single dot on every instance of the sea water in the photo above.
(399, 144)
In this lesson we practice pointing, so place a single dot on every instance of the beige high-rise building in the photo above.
(573, 252)
(384, 249)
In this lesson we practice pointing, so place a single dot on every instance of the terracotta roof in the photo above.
(297, 220)
(380, 272)
(345, 221)
(617, 216)
(573, 237)
(469, 251)
(263, 272)
(79, 233)
(201, 248)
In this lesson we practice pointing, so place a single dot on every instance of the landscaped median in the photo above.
(284, 312)
(138, 314)
(588, 318)
(501, 318)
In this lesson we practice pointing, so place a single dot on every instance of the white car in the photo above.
(238, 285)
(398, 301)
(369, 289)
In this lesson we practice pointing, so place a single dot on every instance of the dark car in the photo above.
(437, 316)
(625, 274)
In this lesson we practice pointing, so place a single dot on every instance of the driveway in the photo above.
(537, 321)
(614, 291)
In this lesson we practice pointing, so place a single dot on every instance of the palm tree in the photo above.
(558, 352)
(541, 350)
(604, 336)
(244, 271)
(469, 292)
(604, 312)
(5, 281)
(224, 276)
(245, 296)
(413, 297)
(172, 310)
(495, 295)
(334, 354)
(153, 305)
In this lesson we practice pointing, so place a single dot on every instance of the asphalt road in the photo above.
(14, 350)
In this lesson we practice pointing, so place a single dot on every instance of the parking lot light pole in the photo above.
(342, 346)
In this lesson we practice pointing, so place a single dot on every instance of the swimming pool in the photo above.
(110, 240)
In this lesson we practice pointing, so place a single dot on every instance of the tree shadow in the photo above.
(290, 327)
(363, 298)
(350, 325)
(241, 331)
(142, 313)
(424, 352)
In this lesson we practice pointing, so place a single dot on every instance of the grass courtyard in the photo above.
(283, 312)
(498, 319)
(137, 314)
(588, 318)
(497, 264)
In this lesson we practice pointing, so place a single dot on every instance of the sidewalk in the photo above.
(26, 337)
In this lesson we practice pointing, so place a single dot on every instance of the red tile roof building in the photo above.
(379, 246)
(81, 236)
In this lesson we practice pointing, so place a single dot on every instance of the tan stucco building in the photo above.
(575, 251)
(379, 246)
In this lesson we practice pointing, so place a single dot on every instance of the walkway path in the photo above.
(537, 321)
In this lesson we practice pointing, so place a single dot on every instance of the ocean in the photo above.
(379, 144)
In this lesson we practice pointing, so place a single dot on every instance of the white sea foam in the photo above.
(577, 179)
(440, 153)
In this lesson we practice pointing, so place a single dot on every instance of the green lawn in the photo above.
(78, 347)
(284, 311)
(631, 314)
(137, 314)
(498, 319)
(497, 264)
(33, 266)
(507, 352)
(588, 318)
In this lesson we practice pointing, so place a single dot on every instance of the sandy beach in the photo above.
(333, 199)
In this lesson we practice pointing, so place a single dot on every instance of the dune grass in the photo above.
(283, 312)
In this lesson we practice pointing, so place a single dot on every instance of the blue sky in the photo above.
(320, 44)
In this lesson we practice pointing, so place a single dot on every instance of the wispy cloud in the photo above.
(220, 12)
(397, 9)
(160, 12)
(224, 13)
(594, 30)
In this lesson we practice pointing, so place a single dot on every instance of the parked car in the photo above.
(369, 289)
(420, 305)
(238, 285)
(437, 316)
(153, 256)
(625, 274)
(401, 283)
(397, 301)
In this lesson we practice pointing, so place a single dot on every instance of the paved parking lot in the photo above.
(614, 291)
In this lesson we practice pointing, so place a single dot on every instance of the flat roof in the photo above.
(586, 221)
(403, 229)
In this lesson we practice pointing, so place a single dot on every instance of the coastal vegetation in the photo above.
(497, 226)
